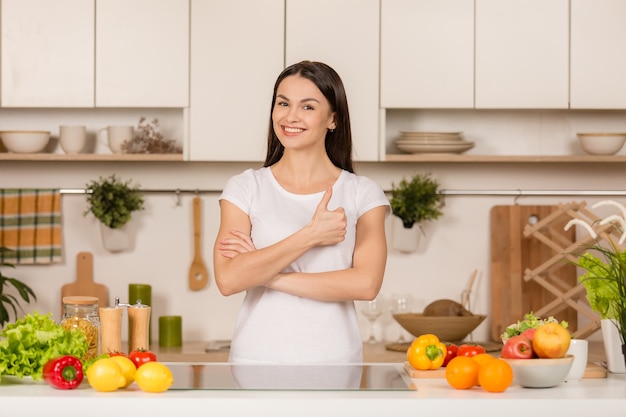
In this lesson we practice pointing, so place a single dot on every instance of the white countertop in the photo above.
(584, 398)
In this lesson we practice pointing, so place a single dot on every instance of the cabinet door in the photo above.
(345, 35)
(47, 53)
(522, 54)
(142, 53)
(237, 54)
(427, 54)
(598, 54)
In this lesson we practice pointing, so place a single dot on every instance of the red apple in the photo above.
(551, 341)
(529, 333)
(517, 347)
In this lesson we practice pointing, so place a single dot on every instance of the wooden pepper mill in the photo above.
(138, 325)
(110, 329)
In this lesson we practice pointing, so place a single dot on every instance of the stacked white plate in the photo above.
(433, 142)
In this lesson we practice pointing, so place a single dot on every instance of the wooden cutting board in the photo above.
(593, 371)
(511, 255)
(84, 284)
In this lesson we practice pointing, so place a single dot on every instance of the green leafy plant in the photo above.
(605, 282)
(8, 301)
(604, 266)
(416, 200)
(112, 200)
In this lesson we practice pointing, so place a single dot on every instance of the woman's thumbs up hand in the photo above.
(329, 227)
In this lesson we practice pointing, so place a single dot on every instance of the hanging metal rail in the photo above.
(514, 193)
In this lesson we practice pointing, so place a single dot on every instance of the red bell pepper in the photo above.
(64, 372)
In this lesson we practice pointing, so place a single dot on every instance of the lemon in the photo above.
(154, 377)
(128, 368)
(105, 375)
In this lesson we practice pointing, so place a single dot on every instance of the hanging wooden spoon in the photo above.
(198, 273)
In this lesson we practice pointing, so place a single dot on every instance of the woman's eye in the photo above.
(282, 103)
(308, 107)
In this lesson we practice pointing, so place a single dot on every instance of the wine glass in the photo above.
(372, 311)
(401, 303)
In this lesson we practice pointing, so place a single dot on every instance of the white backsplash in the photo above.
(457, 244)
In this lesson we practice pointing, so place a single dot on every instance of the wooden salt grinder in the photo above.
(110, 329)
(138, 323)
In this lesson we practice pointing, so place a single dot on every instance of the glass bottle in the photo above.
(81, 312)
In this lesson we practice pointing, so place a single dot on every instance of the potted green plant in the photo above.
(414, 202)
(417, 200)
(112, 201)
(9, 301)
(604, 277)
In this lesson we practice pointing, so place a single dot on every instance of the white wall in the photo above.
(458, 243)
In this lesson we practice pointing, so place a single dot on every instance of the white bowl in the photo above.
(25, 141)
(540, 373)
(601, 143)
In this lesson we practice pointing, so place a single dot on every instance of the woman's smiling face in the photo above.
(301, 115)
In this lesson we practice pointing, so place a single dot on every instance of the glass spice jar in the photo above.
(81, 312)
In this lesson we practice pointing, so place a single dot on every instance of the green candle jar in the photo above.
(170, 331)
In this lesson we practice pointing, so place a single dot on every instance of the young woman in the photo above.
(303, 236)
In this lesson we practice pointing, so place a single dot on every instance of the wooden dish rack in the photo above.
(565, 250)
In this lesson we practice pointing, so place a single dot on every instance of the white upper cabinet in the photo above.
(237, 52)
(47, 53)
(598, 54)
(427, 54)
(522, 54)
(345, 35)
(142, 53)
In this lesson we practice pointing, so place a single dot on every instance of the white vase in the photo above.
(612, 347)
(405, 239)
(117, 240)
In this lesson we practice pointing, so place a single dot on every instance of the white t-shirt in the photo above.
(275, 327)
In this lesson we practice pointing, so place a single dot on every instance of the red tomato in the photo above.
(470, 349)
(141, 356)
(451, 352)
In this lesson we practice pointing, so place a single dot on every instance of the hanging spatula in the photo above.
(198, 273)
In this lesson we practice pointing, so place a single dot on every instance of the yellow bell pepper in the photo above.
(426, 352)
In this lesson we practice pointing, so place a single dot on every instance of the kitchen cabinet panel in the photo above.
(522, 54)
(142, 53)
(237, 51)
(598, 56)
(427, 54)
(47, 53)
(345, 35)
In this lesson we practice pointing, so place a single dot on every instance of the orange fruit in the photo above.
(481, 359)
(462, 372)
(495, 375)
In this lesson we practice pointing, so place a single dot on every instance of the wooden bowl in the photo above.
(446, 328)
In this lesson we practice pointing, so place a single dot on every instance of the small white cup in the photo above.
(580, 349)
(72, 138)
(116, 136)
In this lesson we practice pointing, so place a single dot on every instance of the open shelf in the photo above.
(426, 157)
(431, 157)
(89, 157)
